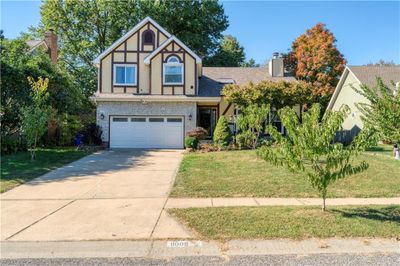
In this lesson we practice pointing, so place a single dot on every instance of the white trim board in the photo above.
(118, 42)
(165, 43)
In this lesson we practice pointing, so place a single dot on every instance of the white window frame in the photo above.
(167, 64)
(115, 74)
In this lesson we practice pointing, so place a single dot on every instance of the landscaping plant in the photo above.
(382, 113)
(222, 133)
(191, 143)
(309, 147)
(251, 124)
(35, 117)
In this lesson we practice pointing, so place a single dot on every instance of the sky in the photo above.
(365, 31)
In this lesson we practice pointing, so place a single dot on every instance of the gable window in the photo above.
(148, 37)
(173, 71)
(124, 74)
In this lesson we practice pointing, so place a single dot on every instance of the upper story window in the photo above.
(173, 71)
(148, 37)
(124, 74)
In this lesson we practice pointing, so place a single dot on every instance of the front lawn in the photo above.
(291, 222)
(242, 174)
(18, 168)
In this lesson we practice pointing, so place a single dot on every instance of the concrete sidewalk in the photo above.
(225, 202)
(170, 249)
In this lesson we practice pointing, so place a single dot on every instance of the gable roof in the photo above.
(367, 75)
(213, 79)
(33, 44)
(165, 44)
(127, 35)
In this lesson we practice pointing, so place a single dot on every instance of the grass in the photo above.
(242, 174)
(18, 168)
(291, 222)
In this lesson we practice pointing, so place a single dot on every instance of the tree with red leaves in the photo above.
(315, 59)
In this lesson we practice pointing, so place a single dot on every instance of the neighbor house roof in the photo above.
(367, 74)
(33, 44)
(213, 79)
(165, 44)
(118, 42)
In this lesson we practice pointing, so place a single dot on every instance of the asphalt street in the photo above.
(316, 259)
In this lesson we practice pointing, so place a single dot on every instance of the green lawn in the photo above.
(291, 222)
(18, 168)
(242, 174)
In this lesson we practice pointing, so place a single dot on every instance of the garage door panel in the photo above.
(146, 132)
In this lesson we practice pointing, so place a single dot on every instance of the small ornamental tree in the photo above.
(222, 133)
(382, 113)
(35, 117)
(309, 147)
(251, 124)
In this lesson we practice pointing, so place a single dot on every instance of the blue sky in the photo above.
(365, 31)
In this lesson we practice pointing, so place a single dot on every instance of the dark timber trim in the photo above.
(226, 109)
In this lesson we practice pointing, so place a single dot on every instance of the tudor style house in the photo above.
(153, 89)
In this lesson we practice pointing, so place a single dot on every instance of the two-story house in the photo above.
(153, 89)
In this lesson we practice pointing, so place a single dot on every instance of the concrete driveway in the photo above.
(112, 194)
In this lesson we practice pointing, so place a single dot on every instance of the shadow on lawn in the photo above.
(385, 214)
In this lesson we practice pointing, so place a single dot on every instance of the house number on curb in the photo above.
(183, 244)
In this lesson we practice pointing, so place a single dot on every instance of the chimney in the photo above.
(276, 68)
(50, 38)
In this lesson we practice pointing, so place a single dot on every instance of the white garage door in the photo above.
(146, 132)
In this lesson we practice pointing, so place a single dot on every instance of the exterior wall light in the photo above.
(190, 117)
(102, 116)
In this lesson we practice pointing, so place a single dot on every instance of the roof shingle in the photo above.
(368, 74)
(210, 84)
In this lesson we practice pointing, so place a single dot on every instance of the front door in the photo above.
(207, 119)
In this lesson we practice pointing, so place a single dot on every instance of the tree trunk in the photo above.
(323, 203)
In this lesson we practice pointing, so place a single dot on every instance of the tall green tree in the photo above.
(87, 28)
(309, 147)
(315, 58)
(382, 113)
(17, 63)
(229, 54)
(35, 116)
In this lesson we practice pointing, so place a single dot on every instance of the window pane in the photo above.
(131, 75)
(174, 120)
(138, 119)
(156, 119)
(173, 70)
(173, 78)
(120, 74)
(173, 59)
(120, 119)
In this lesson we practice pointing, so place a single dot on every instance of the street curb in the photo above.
(169, 249)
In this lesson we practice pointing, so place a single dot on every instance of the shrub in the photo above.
(191, 143)
(12, 143)
(199, 133)
(222, 133)
(69, 126)
(91, 134)
(245, 140)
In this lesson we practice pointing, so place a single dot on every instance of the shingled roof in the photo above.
(368, 74)
(213, 79)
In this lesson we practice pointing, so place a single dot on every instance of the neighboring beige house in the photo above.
(152, 89)
(354, 76)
